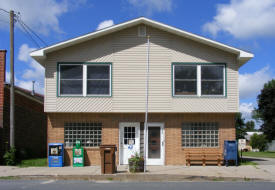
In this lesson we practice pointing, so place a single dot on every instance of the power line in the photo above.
(26, 29)
(4, 10)
(29, 35)
(26, 26)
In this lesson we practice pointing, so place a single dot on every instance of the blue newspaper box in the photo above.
(56, 154)
(230, 152)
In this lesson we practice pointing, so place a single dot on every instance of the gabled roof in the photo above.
(41, 54)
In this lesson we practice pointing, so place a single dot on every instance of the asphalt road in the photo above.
(81, 185)
(260, 161)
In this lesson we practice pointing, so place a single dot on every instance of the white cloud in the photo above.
(246, 110)
(105, 24)
(250, 84)
(150, 6)
(33, 72)
(41, 16)
(244, 19)
(25, 84)
(24, 51)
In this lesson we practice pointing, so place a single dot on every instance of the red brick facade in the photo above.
(174, 152)
(30, 120)
(2, 80)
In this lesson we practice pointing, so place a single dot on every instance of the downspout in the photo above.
(146, 111)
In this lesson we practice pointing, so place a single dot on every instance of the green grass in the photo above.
(248, 163)
(260, 154)
(8, 177)
(37, 162)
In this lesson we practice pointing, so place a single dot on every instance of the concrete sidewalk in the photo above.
(155, 173)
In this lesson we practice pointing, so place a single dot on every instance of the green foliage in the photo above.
(240, 126)
(266, 109)
(250, 126)
(10, 157)
(258, 141)
(136, 163)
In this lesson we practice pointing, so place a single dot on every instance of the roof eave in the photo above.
(40, 55)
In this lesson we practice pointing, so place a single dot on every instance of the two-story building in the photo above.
(95, 91)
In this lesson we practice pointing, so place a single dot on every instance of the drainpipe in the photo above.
(146, 112)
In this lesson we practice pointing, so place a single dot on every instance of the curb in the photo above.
(131, 178)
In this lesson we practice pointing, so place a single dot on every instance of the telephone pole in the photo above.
(12, 79)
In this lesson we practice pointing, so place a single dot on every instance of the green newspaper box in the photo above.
(78, 155)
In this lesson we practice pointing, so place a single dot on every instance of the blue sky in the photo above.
(245, 24)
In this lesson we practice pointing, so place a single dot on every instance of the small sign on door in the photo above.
(131, 142)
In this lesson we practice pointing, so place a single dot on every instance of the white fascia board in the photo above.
(41, 53)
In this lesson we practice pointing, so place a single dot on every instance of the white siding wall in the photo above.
(128, 54)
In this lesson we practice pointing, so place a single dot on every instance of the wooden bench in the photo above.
(204, 157)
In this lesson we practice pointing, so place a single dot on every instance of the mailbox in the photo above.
(230, 152)
(78, 155)
(56, 154)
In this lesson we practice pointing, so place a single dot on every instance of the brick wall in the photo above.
(2, 81)
(30, 126)
(174, 153)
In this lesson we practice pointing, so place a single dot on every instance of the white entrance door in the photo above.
(129, 140)
(155, 144)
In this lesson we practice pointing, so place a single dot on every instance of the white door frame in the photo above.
(121, 143)
(161, 161)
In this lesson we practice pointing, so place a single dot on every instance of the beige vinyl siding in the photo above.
(128, 54)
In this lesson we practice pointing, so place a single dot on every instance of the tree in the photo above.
(266, 109)
(240, 126)
(258, 141)
(250, 126)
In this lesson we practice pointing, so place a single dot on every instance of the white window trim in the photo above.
(199, 81)
(84, 81)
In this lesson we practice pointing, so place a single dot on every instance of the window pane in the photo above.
(212, 87)
(185, 87)
(212, 72)
(70, 87)
(98, 72)
(71, 71)
(86, 130)
(185, 72)
(199, 140)
(98, 87)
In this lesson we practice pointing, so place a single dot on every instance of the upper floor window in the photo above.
(84, 79)
(199, 79)
(71, 79)
(185, 80)
(212, 80)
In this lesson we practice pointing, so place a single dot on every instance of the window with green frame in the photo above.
(87, 79)
(198, 79)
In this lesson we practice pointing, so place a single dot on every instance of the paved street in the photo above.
(261, 161)
(81, 185)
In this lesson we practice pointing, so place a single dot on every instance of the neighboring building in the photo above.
(249, 134)
(30, 119)
(95, 91)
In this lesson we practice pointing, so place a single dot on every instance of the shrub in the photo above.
(136, 163)
(258, 141)
(9, 157)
